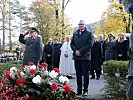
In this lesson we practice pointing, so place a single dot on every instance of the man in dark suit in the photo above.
(81, 44)
(56, 53)
(47, 54)
(96, 55)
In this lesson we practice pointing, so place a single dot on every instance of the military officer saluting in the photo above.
(34, 46)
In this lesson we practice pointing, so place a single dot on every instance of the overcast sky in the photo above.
(88, 10)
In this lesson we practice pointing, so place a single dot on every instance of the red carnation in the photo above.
(44, 69)
(7, 97)
(54, 86)
(40, 66)
(65, 83)
(30, 63)
(56, 70)
(7, 74)
(24, 66)
(20, 80)
(44, 64)
(32, 71)
(75, 96)
(67, 88)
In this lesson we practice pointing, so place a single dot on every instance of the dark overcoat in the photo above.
(122, 48)
(82, 42)
(33, 50)
(48, 49)
(96, 56)
(56, 53)
(109, 50)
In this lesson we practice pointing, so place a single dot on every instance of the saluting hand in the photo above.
(26, 33)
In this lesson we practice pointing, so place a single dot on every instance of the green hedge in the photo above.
(8, 65)
(115, 78)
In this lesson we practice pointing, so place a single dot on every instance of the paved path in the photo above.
(95, 87)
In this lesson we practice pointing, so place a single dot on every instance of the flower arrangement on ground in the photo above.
(36, 83)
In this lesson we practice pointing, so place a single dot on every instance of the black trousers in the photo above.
(82, 69)
(49, 65)
(98, 73)
(56, 65)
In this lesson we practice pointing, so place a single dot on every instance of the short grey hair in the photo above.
(82, 21)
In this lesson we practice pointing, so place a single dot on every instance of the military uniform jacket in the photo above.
(33, 50)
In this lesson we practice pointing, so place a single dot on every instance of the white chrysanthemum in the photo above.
(66, 79)
(62, 79)
(37, 80)
(13, 70)
(12, 75)
(53, 74)
(117, 74)
(33, 67)
(46, 72)
(22, 74)
(26, 68)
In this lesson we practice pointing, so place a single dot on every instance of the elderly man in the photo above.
(56, 53)
(81, 44)
(47, 54)
(34, 46)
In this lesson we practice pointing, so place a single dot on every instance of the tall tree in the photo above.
(47, 17)
(64, 4)
(43, 15)
(4, 12)
(14, 9)
(18, 10)
(10, 34)
(112, 20)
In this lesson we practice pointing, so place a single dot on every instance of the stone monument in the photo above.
(128, 5)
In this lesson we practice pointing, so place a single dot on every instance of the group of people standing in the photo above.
(70, 57)
(54, 53)
(109, 49)
(59, 55)
(82, 53)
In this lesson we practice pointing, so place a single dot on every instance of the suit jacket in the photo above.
(82, 41)
(48, 49)
(56, 53)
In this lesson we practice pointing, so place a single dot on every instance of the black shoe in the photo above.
(72, 77)
(85, 93)
(79, 93)
(69, 77)
(97, 78)
(92, 77)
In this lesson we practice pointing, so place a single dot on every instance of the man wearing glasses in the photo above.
(34, 46)
(81, 44)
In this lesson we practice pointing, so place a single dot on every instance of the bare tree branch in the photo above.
(66, 3)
